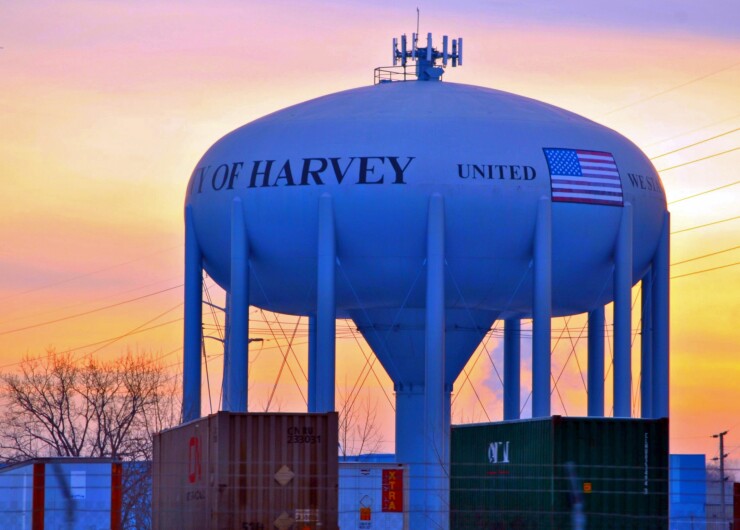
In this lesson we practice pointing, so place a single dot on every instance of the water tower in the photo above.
(425, 211)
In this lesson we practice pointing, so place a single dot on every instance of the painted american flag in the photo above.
(577, 175)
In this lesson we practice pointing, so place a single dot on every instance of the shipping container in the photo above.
(531, 474)
(688, 492)
(373, 496)
(247, 471)
(61, 494)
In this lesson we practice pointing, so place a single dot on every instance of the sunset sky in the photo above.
(105, 108)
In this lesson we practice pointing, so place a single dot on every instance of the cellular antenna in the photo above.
(425, 58)
(417, 21)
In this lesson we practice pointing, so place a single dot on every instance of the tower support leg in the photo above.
(646, 346)
(225, 383)
(512, 368)
(193, 326)
(239, 311)
(542, 310)
(326, 308)
(623, 317)
(661, 321)
(596, 363)
(312, 367)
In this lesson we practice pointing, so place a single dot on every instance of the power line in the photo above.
(693, 130)
(706, 270)
(480, 349)
(705, 192)
(699, 160)
(37, 314)
(86, 274)
(370, 364)
(134, 330)
(676, 87)
(705, 256)
(77, 315)
(696, 143)
(98, 343)
(285, 364)
(705, 225)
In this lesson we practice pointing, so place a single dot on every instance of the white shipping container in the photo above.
(61, 494)
(361, 498)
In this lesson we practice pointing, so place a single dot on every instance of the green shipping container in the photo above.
(515, 474)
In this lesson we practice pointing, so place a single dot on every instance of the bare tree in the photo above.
(133, 398)
(359, 430)
(136, 508)
(58, 406)
(43, 413)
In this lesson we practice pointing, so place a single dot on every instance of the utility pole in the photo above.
(721, 459)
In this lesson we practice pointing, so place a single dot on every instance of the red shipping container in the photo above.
(247, 471)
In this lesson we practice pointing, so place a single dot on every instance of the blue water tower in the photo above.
(425, 211)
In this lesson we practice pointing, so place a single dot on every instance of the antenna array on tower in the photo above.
(425, 58)
(429, 53)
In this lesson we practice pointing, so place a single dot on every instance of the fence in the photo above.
(522, 497)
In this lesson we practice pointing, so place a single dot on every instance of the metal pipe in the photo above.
(661, 321)
(542, 310)
(437, 494)
(512, 367)
(214, 306)
(596, 363)
(326, 308)
(239, 291)
(193, 325)
(623, 316)
(646, 346)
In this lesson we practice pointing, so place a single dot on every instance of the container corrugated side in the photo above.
(245, 471)
(182, 492)
(16, 503)
(259, 446)
(621, 467)
(501, 475)
(513, 474)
